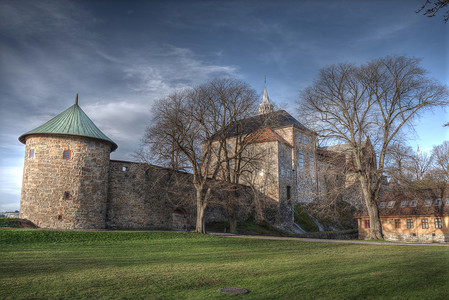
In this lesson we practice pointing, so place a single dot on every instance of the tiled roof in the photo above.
(274, 120)
(72, 121)
(424, 204)
(267, 135)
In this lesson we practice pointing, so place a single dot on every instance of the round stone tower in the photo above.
(65, 175)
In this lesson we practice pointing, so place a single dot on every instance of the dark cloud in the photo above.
(120, 56)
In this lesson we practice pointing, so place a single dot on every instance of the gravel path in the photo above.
(277, 238)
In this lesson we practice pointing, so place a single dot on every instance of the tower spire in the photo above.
(265, 107)
(76, 99)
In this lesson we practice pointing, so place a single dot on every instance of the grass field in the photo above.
(178, 265)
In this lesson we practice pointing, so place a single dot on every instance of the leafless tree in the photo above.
(397, 157)
(440, 156)
(431, 7)
(419, 164)
(188, 130)
(369, 104)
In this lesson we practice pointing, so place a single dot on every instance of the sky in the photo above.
(121, 56)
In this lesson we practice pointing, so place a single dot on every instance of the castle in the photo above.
(70, 182)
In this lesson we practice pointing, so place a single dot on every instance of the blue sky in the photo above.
(120, 56)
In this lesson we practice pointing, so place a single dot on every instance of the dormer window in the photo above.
(391, 204)
(31, 153)
(382, 204)
(437, 202)
(67, 154)
(428, 203)
(404, 203)
(413, 203)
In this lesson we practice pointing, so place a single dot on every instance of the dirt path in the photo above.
(277, 238)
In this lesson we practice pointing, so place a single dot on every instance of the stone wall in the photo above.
(47, 177)
(146, 196)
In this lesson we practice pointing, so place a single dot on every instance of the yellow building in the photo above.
(423, 218)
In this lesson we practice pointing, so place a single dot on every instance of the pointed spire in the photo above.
(76, 99)
(265, 106)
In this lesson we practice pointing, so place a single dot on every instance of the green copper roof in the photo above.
(72, 121)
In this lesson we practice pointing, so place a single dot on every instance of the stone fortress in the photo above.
(69, 181)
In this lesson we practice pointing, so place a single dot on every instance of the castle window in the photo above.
(289, 193)
(305, 140)
(311, 141)
(367, 224)
(428, 203)
(300, 138)
(301, 159)
(262, 190)
(437, 202)
(391, 204)
(437, 223)
(311, 160)
(397, 223)
(66, 195)
(59, 217)
(382, 204)
(23, 195)
(424, 223)
(31, 153)
(404, 203)
(409, 223)
(413, 203)
(124, 169)
(67, 154)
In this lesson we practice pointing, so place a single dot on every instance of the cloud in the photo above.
(49, 51)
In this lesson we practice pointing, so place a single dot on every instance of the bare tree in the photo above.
(183, 132)
(419, 164)
(369, 104)
(431, 7)
(440, 156)
(397, 158)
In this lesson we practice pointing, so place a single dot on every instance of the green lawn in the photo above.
(165, 265)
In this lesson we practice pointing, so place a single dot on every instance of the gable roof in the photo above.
(420, 209)
(72, 121)
(264, 135)
(273, 120)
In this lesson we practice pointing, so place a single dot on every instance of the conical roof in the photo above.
(72, 121)
(265, 107)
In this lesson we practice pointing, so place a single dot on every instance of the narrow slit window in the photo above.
(67, 154)
(31, 153)
(382, 204)
(301, 159)
(404, 203)
(66, 195)
(288, 192)
(59, 217)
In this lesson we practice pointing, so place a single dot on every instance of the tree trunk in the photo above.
(373, 211)
(232, 223)
(201, 205)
